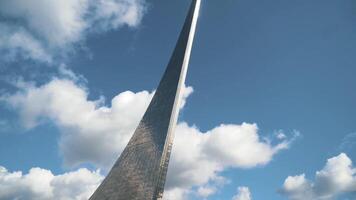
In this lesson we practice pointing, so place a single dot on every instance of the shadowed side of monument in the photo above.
(140, 172)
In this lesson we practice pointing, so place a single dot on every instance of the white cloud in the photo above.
(41, 184)
(91, 133)
(96, 134)
(243, 193)
(176, 194)
(38, 29)
(111, 14)
(58, 22)
(280, 134)
(206, 191)
(337, 177)
(198, 158)
(17, 41)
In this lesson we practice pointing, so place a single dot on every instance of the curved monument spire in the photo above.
(140, 172)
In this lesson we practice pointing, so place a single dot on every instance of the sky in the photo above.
(269, 107)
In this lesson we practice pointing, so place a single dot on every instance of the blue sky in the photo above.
(286, 66)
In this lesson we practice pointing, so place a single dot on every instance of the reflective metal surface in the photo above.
(140, 172)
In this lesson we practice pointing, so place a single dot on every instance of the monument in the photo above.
(140, 172)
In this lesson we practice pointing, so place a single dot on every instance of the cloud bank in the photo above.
(336, 178)
(41, 184)
(198, 157)
(94, 133)
(39, 29)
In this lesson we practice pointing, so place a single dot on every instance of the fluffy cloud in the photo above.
(337, 177)
(198, 157)
(111, 14)
(96, 134)
(91, 133)
(206, 191)
(15, 41)
(243, 193)
(37, 29)
(41, 184)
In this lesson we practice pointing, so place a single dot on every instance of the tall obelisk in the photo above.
(140, 172)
